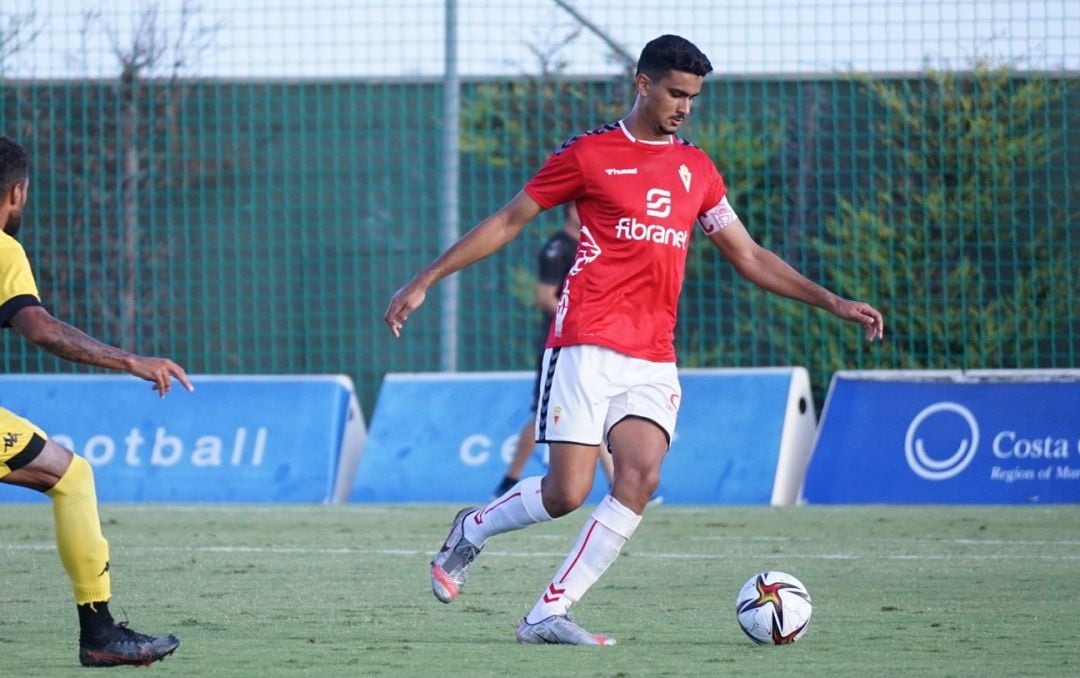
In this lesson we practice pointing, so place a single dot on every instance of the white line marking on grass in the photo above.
(244, 509)
(657, 555)
(897, 540)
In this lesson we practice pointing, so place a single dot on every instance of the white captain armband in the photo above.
(714, 220)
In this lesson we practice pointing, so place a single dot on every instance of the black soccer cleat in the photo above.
(123, 647)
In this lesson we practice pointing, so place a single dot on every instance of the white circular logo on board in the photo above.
(966, 442)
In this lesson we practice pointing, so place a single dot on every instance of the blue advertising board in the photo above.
(987, 437)
(448, 437)
(235, 439)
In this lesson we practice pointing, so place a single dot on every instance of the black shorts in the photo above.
(536, 381)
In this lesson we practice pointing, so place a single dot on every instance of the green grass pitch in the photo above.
(343, 591)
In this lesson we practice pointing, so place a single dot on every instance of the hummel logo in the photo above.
(10, 439)
(615, 172)
(553, 593)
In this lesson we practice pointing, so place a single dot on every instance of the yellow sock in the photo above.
(83, 550)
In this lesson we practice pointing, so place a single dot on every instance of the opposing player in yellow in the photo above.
(28, 458)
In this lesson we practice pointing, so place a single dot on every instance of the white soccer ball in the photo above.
(773, 608)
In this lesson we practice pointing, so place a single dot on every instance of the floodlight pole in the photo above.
(448, 192)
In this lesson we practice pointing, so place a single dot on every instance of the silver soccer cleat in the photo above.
(559, 629)
(450, 566)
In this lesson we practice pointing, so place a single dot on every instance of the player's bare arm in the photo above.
(487, 237)
(71, 343)
(768, 271)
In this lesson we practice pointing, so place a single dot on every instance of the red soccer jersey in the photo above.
(638, 202)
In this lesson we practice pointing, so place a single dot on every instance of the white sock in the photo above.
(598, 545)
(521, 506)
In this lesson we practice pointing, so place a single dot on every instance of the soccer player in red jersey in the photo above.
(609, 372)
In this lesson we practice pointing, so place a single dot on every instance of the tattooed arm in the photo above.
(71, 343)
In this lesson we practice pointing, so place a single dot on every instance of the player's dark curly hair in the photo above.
(14, 164)
(672, 53)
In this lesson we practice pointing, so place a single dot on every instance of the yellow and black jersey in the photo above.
(20, 440)
(17, 287)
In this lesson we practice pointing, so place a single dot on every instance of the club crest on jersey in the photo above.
(684, 174)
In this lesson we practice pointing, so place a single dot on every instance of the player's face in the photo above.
(668, 100)
(14, 218)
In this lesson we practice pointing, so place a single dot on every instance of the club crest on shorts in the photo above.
(555, 414)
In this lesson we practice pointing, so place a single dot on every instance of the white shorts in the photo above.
(585, 390)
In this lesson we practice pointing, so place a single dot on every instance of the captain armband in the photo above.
(716, 218)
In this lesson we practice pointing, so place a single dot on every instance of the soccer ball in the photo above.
(773, 608)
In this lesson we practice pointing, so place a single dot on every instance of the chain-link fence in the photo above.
(242, 187)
